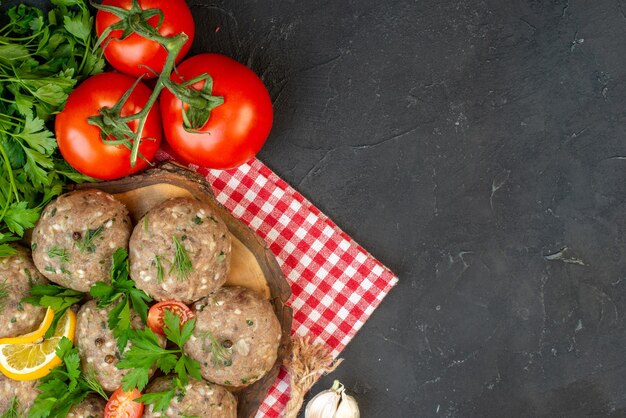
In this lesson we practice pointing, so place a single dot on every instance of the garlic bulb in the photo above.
(332, 403)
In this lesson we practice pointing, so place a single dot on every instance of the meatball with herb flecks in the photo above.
(98, 347)
(180, 250)
(236, 337)
(74, 241)
(17, 395)
(17, 275)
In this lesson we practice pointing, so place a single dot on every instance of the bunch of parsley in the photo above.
(65, 386)
(42, 57)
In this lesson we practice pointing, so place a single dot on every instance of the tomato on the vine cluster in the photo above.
(135, 54)
(239, 114)
(80, 143)
(236, 130)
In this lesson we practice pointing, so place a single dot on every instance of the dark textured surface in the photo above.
(477, 148)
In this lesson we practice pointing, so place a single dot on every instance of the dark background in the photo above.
(477, 149)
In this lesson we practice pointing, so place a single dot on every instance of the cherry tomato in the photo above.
(80, 143)
(133, 54)
(236, 130)
(157, 313)
(122, 405)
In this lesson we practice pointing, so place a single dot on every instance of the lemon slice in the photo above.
(30, 361)
(32, 336)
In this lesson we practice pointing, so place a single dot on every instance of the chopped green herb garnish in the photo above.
(250, 322)
(33, 246)
(13, 320)
(159, 267)
(50, 269)
(14, 410)
(220, 355)
(197, 220)
(124, 294)
(60, 253)
(87, 244)
(4, 295)
(145, 224)
(146, 352)
(53, 212)
(221, 257)
(182, 263)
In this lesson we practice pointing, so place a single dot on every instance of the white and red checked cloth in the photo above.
(336, 284)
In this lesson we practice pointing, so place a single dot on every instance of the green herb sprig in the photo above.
(182, 263)
(14, 410)
(65, 386)
(146, 352)
(161, 400)
(122, 292)
(86, 243)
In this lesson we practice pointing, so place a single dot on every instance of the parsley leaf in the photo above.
(65, 386)
(161, 400)
(56, 297)
(124, 294)
(146, 352)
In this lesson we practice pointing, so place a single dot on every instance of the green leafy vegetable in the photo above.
(65, 386)
(146, 352)
(42, 56)
(123, 292)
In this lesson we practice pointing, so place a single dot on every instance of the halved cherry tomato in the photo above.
(135, 54)
(157, 313)
(122, 405)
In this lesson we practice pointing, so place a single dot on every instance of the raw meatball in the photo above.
(201, 399)
(25, 393)
(180, 250)
(74, 241)
(98, 347)
(236, 337)
(91, 407)
(17, 275)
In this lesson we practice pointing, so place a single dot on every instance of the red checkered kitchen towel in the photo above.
(336, 284)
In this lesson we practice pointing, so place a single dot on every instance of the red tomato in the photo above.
(157, 313)
(133, 54)
(236, 130)
(80, 143)
(122, 405)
